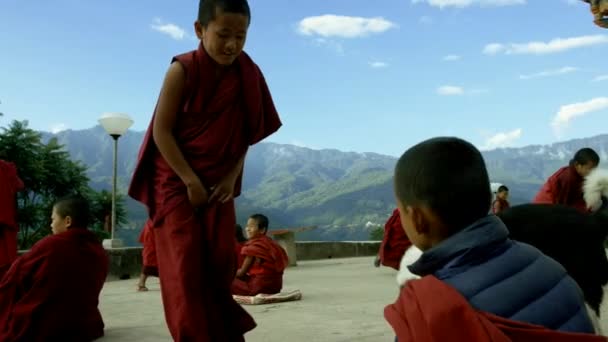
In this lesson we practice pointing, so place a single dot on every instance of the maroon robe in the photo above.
(148, 253)
(266, 274)
(394, 242)
(10, 184)
(195, 247)
(564, 187)
(429, 310)
(51, 293)
(500, 205)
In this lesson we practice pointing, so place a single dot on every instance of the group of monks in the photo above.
(214, 104)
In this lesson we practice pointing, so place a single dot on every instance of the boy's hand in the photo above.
(224, 190)
(197, 194)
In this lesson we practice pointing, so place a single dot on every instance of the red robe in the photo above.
(10, 184)
(266, 274)
(394, 243)
(429, 310)
(51, 293)
(148, 253)
(195, 248)
(564, 187)
(500, 205)
(239, 256)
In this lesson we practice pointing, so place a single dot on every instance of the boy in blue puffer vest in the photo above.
(443, 195)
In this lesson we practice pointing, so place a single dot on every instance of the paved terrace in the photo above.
(343, 300)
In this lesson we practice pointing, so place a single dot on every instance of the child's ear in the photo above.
(68, 221)
(419, 219)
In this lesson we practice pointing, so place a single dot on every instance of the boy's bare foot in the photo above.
(141, 288)
(377, 261)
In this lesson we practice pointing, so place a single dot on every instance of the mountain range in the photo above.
(344, 194)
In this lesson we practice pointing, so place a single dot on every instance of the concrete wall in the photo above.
(125, 263)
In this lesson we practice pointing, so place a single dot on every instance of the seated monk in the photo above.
(10, 184)
(240, 243)
(51, 293)
(394, 243)
(471, 252)
(265, 261)
(148, 253)
(565, 186)
(429, 310)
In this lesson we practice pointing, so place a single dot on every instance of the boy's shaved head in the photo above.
(448, 175)
(207, 9)
(76, 207)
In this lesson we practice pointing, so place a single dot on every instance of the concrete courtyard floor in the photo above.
(343, 300)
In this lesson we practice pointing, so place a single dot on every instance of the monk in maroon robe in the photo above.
(51, 293)
(565, 187)
(264, 263)
(240, 243)
(394, 242)
(429, 310)
(10, 184)
(148, 253)
(214, 104)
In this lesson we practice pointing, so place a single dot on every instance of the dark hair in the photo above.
(240, 237)
(585, 156)
(76, 207)
(502, 188)
(207, 9)
(449, 176)
(261, 220)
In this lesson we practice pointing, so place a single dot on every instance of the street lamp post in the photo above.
(115, 124)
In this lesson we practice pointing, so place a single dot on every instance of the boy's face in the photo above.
(252, 229)
(224, 37)
(585, 170)
(59, 224)
(503, 195)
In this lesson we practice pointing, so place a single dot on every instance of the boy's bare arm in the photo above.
(164, 123)
(245, 267)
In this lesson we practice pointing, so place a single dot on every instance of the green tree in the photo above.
(376, 234)
(101, 209)
(48, 174)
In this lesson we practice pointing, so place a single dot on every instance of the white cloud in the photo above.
(569, 112)
(330, 25)
(549, 73)
(502, 139)
(169, 29)
(378, 65)
(441, 4)
(452, 58)
(448, 90)
(541, 48)
(58, 127)
(601, 78)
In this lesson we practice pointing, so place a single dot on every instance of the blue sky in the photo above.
(354, 75)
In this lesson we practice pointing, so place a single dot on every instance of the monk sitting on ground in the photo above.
(394, 243)
(477, 284)
(264, 263)
(51, 293)
(10, 184)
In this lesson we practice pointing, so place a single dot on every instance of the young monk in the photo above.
(213, 105)
(565, 186)
(477, 284)
(240, 243)
(394, 243)
(265, 261)
(10, 185)
(501, 203)
(148, 253)
(51, 293)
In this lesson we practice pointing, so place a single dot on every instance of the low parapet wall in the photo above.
(126, 262)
